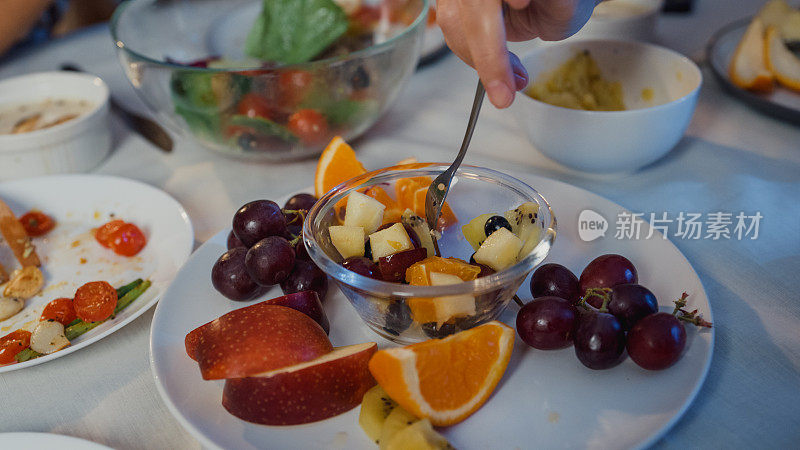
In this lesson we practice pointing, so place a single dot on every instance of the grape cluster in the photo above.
(265, 248)
(603, 313)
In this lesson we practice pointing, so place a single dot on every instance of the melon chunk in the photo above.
(389, 241)
(500, 250)
(349, 241)
(363, 211)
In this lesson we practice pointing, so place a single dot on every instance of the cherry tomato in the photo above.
(127, 240)
(13, 343)
(95, 301)
(365, 17)
(254, 105)
(294, 85)
(36, 223)
(309, 125)
(61, 310)
(104, 232)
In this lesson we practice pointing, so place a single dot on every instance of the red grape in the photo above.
(257, 220)
(306, 276)
(599, 340)
(300, 201)
(555, 280)
(233, 241)
(362, 266)
(547, 323)
(604, 272)
(656, 341)
(630, 303)
(229, 276)
(270, 261)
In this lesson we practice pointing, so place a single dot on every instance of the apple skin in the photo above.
(313, 392)
(255, 339)
(308, 303)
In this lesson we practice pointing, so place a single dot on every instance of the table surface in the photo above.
(732, 159)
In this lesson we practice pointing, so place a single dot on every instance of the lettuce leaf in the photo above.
(295, 31)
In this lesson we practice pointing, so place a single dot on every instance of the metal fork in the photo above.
(440, 186)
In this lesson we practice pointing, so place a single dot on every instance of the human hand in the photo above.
(477, 31)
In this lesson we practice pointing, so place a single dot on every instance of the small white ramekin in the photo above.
(77, 145)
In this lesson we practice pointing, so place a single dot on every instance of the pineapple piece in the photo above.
(389, 241)
(473, 231)
(375, 407)
(420, 226)
(363, 211)
(419, 436)
(453, 305)
(499, 250)
(396, 421)
(349, 241)
(525, 225)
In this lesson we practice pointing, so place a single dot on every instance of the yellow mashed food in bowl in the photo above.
(578, 84)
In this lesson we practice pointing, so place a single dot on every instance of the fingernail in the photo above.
(499, 93)
(520, 82)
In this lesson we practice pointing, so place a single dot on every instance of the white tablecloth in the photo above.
(732, 159)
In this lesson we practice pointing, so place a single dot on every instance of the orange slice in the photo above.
(446, 380)
(336, 164)
(748, 68)
(447, 216)
(418, 274)
(405, 188)
(781, 61)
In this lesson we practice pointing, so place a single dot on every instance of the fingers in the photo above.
(486, 40)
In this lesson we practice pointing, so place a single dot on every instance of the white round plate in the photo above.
(36, 441)
(546, 399)
(71, 256)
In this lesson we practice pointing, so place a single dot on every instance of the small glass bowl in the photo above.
(384, 306)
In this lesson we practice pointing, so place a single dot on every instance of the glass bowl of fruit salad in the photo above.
(272, 80)
(369, 235)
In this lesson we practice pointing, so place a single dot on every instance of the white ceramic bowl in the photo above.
(77, 145)
(613, 141)
(623, 19)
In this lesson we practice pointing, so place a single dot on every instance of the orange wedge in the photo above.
(405, 188)
(748, 68)
(446, 380)
(781, 61)
(447, 216)
(418, 274)
(337, 163)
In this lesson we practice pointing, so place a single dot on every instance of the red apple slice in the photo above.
(255, 339)
(307, 302)
(308, 392)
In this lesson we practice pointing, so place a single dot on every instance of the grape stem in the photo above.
(604, 294)
(295, 213)
(686, 316)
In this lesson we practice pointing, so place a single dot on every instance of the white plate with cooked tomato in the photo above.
(546, 399)
(145, 234)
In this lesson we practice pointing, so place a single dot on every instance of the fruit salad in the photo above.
(373, 240)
